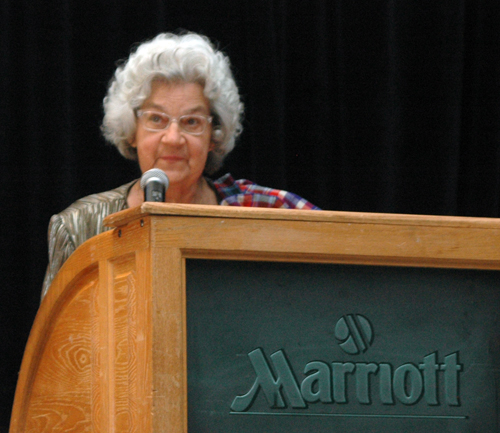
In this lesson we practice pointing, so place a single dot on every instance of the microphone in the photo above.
(154, 182)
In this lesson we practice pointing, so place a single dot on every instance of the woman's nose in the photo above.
(173, 134)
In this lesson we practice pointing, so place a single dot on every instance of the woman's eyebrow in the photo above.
(196, 109)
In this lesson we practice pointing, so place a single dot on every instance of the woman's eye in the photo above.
(191, 121)
(156, 118)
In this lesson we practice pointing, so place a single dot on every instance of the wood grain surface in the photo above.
(107, 351)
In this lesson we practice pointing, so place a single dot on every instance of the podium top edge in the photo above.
(122, 218)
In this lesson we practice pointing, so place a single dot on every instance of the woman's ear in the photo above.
(217, 134)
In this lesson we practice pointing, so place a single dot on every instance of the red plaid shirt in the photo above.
(246, 193)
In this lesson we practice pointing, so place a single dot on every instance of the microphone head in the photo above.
(154, 182)
(154, 173)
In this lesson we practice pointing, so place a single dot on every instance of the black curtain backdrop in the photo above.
(372, 106)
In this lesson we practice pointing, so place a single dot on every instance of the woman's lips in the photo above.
(171, 158)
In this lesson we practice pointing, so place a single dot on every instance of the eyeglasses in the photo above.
(193, 124)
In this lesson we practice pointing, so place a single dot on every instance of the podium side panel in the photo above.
(87, 365)
(59, 395)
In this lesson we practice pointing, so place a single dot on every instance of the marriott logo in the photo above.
(430, 380)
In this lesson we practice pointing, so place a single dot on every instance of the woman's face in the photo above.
(180, 155)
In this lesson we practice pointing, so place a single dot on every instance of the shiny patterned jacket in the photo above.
(84, 218)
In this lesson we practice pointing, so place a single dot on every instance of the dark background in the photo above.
(372, 106)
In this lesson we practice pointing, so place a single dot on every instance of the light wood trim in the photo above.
(169, 342)
(334, 242)
(106, 384)
(174, 209)
(144, 344)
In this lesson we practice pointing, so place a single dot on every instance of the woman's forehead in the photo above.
(184, 96)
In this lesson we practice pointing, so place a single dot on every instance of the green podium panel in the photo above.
(295, 347)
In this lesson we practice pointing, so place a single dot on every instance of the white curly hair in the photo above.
(190, 58)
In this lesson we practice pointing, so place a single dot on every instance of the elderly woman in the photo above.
(173, 105)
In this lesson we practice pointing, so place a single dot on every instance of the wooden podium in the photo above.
(108, 351)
